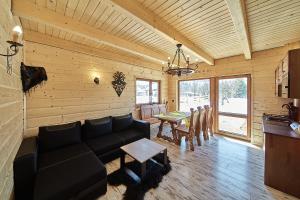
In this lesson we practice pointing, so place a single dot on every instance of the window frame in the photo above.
(195, 79)
(243, 116)
(150, 91)
(214, 102)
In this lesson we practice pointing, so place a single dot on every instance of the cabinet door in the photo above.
(285, 65)
(276, 82)
(285, 86)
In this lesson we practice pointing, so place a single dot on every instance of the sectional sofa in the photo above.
(67, 161)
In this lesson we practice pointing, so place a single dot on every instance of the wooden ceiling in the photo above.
(208, 29)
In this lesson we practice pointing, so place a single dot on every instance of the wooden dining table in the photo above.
(174, 119)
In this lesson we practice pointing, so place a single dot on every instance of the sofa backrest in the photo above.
(96, 127)
(120, 123)
(58, 136)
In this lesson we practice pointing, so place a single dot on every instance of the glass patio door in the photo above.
(233, 106)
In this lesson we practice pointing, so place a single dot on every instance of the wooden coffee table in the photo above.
(142, 151)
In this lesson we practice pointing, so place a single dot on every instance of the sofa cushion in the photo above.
(57, 156)
(105, 143)
(69, 178)
(53, 137)
(131, 135)
(97, 127)
(121, 123)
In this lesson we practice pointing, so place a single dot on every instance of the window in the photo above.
(193, 93)
(147, 91)
(233, 105)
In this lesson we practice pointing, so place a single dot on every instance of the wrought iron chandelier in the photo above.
(177, 69)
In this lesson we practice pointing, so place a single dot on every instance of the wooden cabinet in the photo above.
(282, 158)
(287, 76)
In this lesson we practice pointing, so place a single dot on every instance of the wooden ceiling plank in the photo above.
(115, 23)
(207, 21)
(157, 4)
(238, 14)
(210, 7)
(187, 11)
(214, 11)
(221, 27)
(61, 6)
(158, 25)
(89, 11)
(72, 46)
(96, 14)
(278, 11)
(31, 11)
(172, 8)
(71, 7)
(80, 10)
(110, 22)
(124, 22)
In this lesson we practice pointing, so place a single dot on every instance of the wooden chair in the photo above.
(147, 113)
(198, 126)
(162, 108)
(203, 124)
(188, 132)
(210, 119)
(155, 110)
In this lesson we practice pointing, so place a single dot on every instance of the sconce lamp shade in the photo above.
(17, 31)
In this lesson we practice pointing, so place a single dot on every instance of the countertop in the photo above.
(279, 128)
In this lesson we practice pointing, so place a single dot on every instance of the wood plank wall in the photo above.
(11, 104)
(70, 93)
(262, 69)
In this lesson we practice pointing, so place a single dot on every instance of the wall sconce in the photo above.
(96, 80)
(14, 47)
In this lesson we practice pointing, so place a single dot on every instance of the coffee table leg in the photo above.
(122, 160)
(143, 170)
(165, 157)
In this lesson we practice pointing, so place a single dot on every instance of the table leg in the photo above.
(143, 170)
(165, 157)
(161, 126)
(174, 133)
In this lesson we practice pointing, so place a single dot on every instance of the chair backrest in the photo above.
(210, 116)
(194, 120)
(155, 110)
(198, 125)
(203, 123)
(162, 108)
(146, 111)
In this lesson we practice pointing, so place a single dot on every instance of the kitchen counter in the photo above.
(282, 157)
(279, 128)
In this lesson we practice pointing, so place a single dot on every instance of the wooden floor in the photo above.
(221, 168)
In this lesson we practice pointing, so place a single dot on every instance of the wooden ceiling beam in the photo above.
(237, 10)
(31, 11)
(40, 38)
(160, 26)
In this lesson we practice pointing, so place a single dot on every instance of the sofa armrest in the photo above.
(25, 168)
(142, 126)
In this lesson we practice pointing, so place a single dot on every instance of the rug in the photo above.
(134, 190)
